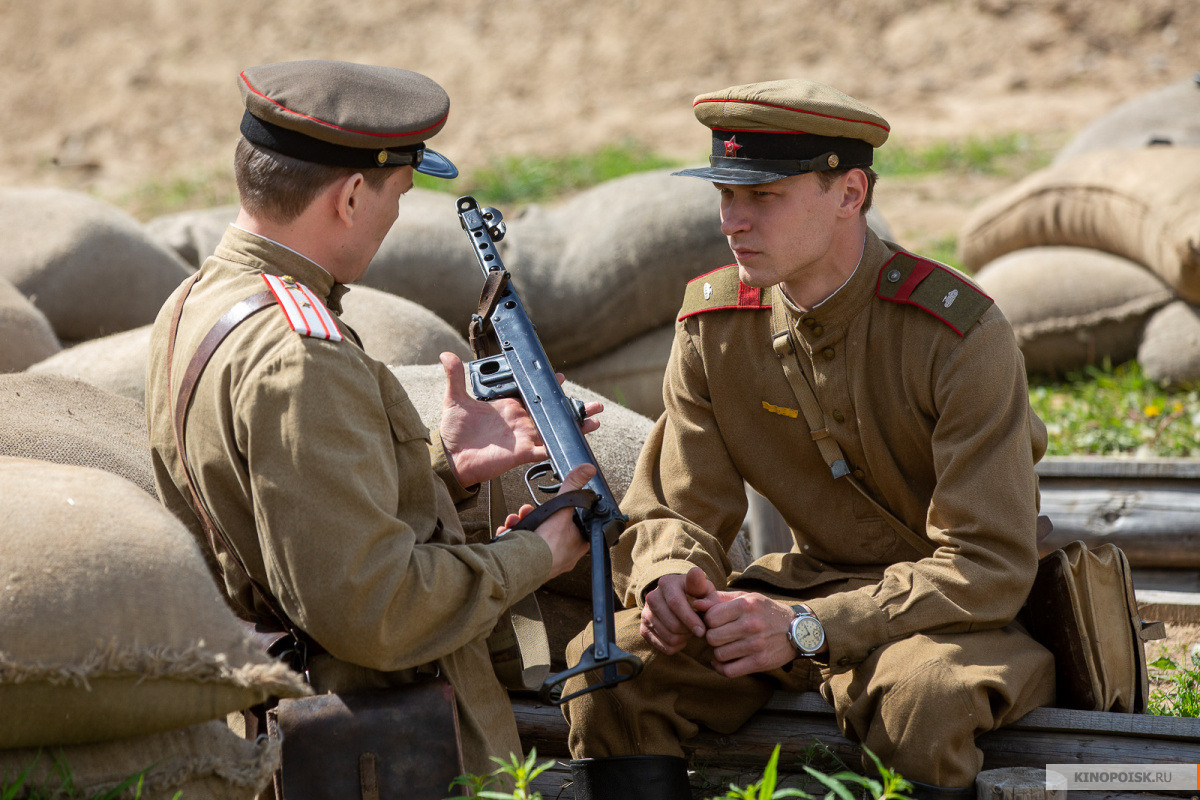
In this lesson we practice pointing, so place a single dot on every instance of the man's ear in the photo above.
(854, 193)
(347, 196)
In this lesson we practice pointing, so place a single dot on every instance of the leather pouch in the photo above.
(381, 744)
(1082, 608)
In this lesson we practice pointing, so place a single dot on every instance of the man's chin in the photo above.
(752, 279)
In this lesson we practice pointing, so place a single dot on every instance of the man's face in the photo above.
(379, 213)
(781, 231)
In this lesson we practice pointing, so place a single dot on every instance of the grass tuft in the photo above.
(1178, 691)
(1011, 154)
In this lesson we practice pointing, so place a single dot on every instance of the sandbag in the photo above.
(89, 267)
(206, 761)
(115, 363)
(631, 373)
(68, 421)
(25, 334)
(1167, 115)
(1169, 353)
(1143, 205)
(194, 235)
(1070, 306)
(398, 331)
(426, 258)
(625, 250)
(112, 624)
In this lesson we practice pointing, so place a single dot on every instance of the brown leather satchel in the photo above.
(1082, 609)
(402, 742)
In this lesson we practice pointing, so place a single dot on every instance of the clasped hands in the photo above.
(746, 630)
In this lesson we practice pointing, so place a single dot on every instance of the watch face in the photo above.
(809, 634)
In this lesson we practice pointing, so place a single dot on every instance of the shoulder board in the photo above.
(720, 289)
(305, 313)
(939, 290)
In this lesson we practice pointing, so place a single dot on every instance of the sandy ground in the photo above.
(106, 95)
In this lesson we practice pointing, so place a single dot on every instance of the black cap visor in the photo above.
(435, 164)
(739, 176)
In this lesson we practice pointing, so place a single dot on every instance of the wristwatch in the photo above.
(806, 632)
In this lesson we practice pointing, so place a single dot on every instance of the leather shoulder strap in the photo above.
(230, 320)
(813, 415)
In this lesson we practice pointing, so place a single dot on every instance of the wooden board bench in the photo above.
(1044, 736)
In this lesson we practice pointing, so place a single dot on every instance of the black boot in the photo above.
(927, 791)
(631, 778)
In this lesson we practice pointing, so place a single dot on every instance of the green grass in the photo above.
(528, 179)
(14, 787)
(1117, 411)
(1180, 692)
(180, 192)
(1009, 154)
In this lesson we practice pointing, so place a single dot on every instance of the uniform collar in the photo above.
(843, 305)
(273, 258)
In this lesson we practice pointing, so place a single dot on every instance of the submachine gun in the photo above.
(521, 369)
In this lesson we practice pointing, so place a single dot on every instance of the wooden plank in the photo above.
(1181, 608)
(1118, 467)
(1166, 580)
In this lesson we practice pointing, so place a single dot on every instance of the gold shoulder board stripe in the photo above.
(720, 289)
(935, 288)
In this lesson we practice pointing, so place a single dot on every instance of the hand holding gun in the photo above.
(521, 369)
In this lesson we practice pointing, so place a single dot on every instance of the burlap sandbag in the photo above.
(1170, 114)
(1070, 306)
(628, 247)
(68, 421)
(398, 331)
(632, 373)
(112, 624)
(194, 235)
(89, 267)
(115, 363)
(25, 334)
(205, 761)
(1143, 205)
(1170, 349)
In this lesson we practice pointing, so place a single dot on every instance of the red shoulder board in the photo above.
(305, 312)
(720, 289)
(941, 291)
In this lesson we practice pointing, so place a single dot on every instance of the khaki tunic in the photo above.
(314, 463)
(935, 424)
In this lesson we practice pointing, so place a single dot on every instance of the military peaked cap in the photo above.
(762, 132)
(346, 115)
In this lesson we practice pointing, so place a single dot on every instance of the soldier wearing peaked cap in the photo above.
(879, 401)
(327, 506)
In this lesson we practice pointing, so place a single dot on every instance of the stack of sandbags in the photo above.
(1039, 249)
(68, 421)
(115, 363)
(25, 334)
(194, 235)
(1169, 115)
(89, 268)
(117, 652)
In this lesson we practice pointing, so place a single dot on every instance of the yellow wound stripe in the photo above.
(782, 411)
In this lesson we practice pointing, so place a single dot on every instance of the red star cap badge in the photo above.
(731, 147)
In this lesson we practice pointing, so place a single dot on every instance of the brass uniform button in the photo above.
(859, 474)
(808, 322)
(838, 417)
(828, 353)
(817, 330)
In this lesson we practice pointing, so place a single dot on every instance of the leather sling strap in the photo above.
(577, 498)
(231, 319)
(785, 346)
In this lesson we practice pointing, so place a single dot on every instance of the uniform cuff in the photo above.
(854, 625)
(441, 465)
(647, 577)
(526, 560)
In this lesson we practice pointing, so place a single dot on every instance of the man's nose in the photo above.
(733, 220)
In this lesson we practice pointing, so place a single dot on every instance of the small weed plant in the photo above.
(1180, 696)
(844, 785)
(17, 788)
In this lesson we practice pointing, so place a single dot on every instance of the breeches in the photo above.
(917, 703)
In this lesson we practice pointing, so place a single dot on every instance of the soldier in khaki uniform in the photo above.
(306, 453)
(920, 411)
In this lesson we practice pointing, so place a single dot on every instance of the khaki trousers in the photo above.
(917, 703)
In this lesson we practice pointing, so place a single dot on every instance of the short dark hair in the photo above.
(279, 188)
(827, 177)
